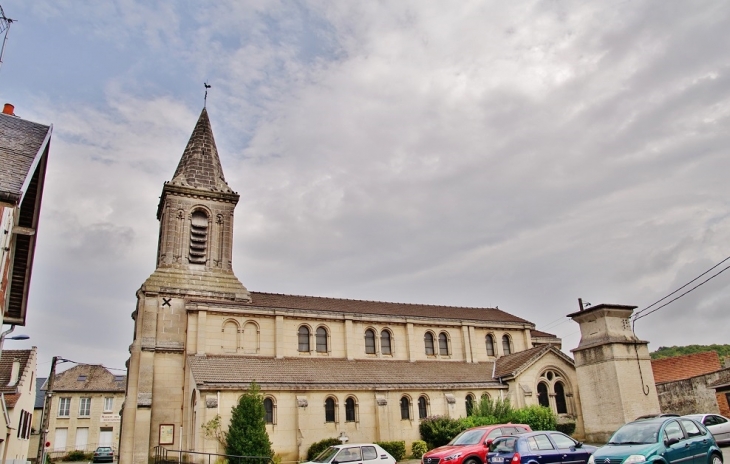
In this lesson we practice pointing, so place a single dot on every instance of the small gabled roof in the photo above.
(237, 372)
(6, 367)
(200, 166)
(512, 364)
(541, 334)
(88, 378)
(22, 144)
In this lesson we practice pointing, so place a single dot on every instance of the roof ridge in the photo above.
(375, 301)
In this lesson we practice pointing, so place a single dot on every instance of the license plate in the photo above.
(497, 459)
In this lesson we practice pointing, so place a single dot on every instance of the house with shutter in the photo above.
(17, 398)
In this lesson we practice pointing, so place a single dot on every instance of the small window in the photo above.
(690, 427)
(385, 342)
(269, 410)
(428, 342)
(82, 378)
(469, 404)
(542, 394)
(369, 453)
(198, 237)
(321, 340)
(543, 442)
(719, 419)
(443, 344)
(304, 339)
(506, 346)
(672, 430)
(560, 403)
(405, 408)
(422, 407)
(349, 455)
(329, 410)
(490, 345)
(350, 410)
(64, 407)
(370, 341)
(84, 407)
(108, 404)
(561, 441)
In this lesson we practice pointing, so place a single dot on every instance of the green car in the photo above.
(663, 440)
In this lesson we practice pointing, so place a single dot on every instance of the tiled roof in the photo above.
(685, 367)
(237, 372)
(511, 363)
(200, 166)
(315, 303)
(6, 366)
(539, 333)
(88, 377)
(20, 145)
(40, 396)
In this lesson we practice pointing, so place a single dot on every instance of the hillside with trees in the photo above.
(669, 351)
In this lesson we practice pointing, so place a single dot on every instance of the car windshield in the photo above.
(503, 445)
(467, 437)
(326, 455)
(636, 433)
(103, 449)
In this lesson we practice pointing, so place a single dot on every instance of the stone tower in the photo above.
(614, 372)
(193, 262)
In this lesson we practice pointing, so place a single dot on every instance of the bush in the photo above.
(499, 409)
(397, 449)
(418, 449)
(318, 447)
(77, 455)
(439, 430)
(566, 427)
(478, 421)
(537, 417)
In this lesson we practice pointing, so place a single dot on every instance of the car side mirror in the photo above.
(579, 444)
(335, 462)
(671, 441)
(488, 442)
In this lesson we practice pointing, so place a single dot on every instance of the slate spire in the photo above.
(200, 166)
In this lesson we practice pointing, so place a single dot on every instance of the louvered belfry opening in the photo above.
(199, 237)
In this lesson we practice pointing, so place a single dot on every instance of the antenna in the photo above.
(5, 23)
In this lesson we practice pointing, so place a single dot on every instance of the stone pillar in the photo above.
(279, 337)
(201, 333)
(349, 341)
(411, 341)
(466, 343)
(613, 367)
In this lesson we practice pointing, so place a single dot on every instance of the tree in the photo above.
(246, 434)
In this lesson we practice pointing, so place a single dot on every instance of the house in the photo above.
(84, 411)
(693, 383)
(326, 366)
(24, 149)
(35, 426)
(17, 397)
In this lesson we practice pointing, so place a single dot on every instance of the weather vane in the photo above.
(205, 100)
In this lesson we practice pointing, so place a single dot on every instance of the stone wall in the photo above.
(691, 396)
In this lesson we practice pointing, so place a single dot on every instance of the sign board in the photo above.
(111, 418)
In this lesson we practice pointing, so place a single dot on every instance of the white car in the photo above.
(719, 426)
(364, 453)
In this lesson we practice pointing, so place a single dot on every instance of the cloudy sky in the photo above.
(517, 154)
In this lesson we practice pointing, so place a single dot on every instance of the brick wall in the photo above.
(692, 396)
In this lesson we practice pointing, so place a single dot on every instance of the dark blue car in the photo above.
(539, 448)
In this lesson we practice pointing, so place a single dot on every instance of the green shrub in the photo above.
(397, 449)
(477, 421)
(418, 449)
(537, 417)
(318, 447)
(439, 430)
(247, 434)
(566, 427)
(77, 455)
(501, 410)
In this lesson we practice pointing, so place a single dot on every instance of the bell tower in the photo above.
(194, 263)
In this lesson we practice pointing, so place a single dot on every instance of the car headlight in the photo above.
(591, 460)
(634, 458)
(452, 457)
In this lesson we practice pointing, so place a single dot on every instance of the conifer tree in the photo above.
(246, 434)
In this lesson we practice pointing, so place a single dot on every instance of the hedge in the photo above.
(318, 447)
(397, 449)
(418, 449)
(566, 427)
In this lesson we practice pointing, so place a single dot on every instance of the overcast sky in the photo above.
(518, 154)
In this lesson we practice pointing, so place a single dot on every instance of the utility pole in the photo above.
(46, 412)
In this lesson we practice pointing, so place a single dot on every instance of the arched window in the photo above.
(542, 394)
(269, 410)
(385, 342)
(443, 344)
(560, 398)
(230, 337)
(329, 410)
(370, 341)
(198, 237)
(250, 338)
(422, 407)
(350, 410)
(428, 342)
(405, 408)
(506, 345)
(321, 340)
(469, 404)
(490, 345)
(304, 339)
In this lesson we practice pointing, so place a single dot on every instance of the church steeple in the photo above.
(195, 249)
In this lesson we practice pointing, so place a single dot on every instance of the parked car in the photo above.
(667, 440)
(471, 446)
(539, 448)
(719, 426)
(365, 453)
(103, 454)
(659, 414)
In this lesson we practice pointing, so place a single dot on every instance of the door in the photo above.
(60, 439)
(677, 453)
(350, 454)
(106, 436)
(543, 450)
(699, 443)
(569, 452)
(370, 455)
(82, 438)
(718, 426)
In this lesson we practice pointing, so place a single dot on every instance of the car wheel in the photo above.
(716, 459)
(476, 461)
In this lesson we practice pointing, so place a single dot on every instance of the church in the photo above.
(327, 367)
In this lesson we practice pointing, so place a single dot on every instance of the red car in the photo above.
(471, 446)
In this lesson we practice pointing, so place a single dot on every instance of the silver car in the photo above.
(719, 426)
